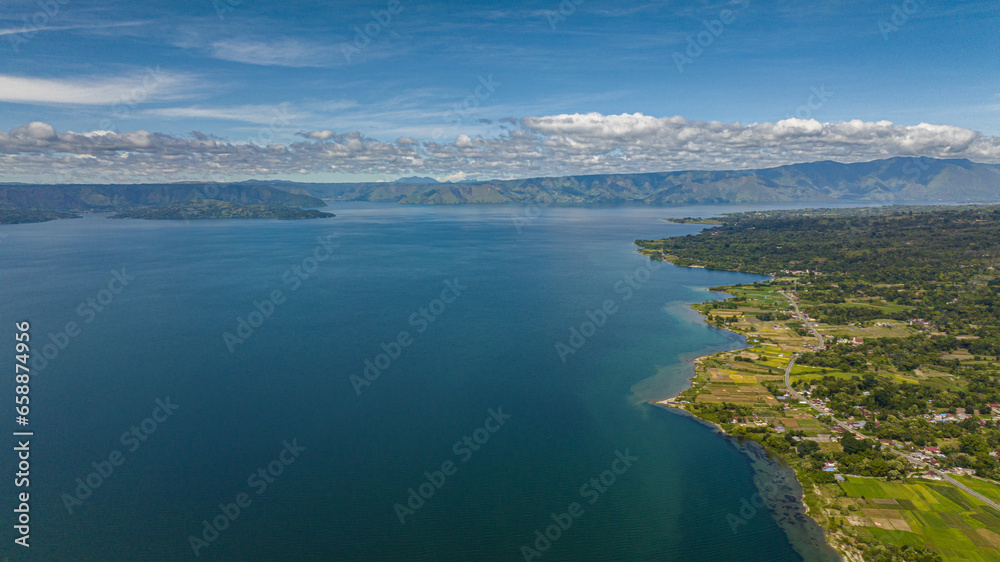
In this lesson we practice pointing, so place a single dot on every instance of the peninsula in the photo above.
(871, 368)
(214, 209)
(19, 216)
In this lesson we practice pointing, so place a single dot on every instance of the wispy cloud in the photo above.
(87, 26)
(96, 90)
(286, 52)
(262, 114)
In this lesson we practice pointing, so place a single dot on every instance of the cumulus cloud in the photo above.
(318, 135)
(537, 146)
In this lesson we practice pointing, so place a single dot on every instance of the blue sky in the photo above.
(231, 89)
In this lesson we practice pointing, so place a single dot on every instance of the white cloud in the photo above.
(263, 114)
(32, 29)
(139, 87)
(287, 52)
(539, 146)
(319, 135)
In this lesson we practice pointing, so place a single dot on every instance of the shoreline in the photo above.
(777, 484)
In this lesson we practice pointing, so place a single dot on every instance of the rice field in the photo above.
(935, 513)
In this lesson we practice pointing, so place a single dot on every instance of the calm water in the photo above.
(523, 285)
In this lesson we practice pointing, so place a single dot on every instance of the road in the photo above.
(788, 381)
(804, 320)
(954, 482)
(845, 427)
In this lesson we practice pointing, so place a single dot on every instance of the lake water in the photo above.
(480, 296)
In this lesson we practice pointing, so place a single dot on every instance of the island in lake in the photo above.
(19, 216)
(215, 209)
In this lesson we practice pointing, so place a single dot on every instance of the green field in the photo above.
(987, 489)
(942, 516)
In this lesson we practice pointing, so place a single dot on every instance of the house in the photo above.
(839, 477)
(830, 467)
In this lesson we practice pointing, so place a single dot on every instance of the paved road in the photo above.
(802, 317)
(788, 382)
(955, 483)
(918, 462)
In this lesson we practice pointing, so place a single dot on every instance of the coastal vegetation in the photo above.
(213, 209)
(119, 197)
(872, 368)
(18, 216)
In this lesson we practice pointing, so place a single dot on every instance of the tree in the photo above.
(852, 445)
(807, 448)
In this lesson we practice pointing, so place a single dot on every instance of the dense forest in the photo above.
(936, 266)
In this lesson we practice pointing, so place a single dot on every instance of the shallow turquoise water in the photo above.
(525, 278)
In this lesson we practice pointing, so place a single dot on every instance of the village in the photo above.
(763, 393)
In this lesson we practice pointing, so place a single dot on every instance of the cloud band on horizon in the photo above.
(555, 145)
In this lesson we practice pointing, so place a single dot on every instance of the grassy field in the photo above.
(987, 489)
(927, 512)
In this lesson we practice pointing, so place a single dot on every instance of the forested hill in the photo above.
(937, 265)
(894, 179)
(213, 209)
(116, 197)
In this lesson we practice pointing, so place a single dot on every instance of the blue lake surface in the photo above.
(526, 278)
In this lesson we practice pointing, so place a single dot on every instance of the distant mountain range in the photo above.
(893, 179)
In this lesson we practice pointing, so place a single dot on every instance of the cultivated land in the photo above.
(871, 369)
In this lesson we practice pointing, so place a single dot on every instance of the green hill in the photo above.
(214, 209)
